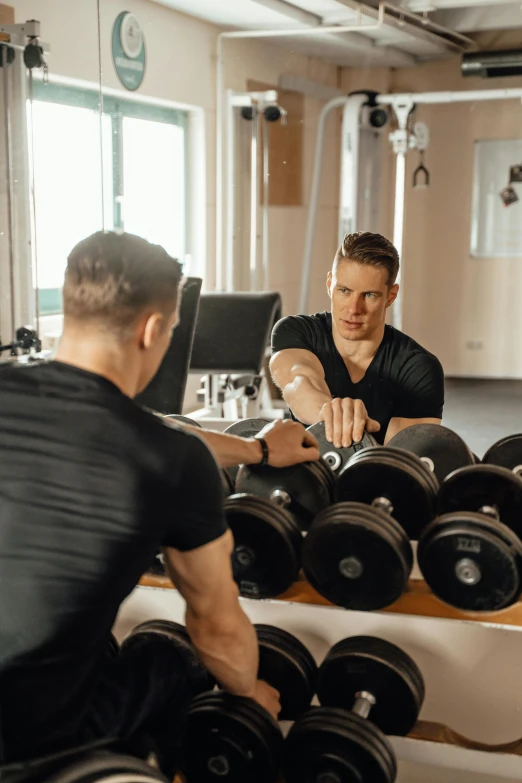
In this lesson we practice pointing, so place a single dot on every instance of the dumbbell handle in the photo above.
(280, 497)
(364, 701)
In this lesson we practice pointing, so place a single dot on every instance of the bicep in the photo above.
(204, 578)
(398, 424)
(290, 363)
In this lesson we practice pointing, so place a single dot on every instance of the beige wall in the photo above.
(181, 67)
(449, 297)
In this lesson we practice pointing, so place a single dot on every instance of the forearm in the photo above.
(306, 399)
(230, 654)
(229, 449)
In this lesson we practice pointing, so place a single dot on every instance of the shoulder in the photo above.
(411, 356)
(298, 331)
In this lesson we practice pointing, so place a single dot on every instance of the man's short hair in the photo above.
(367, 248)
(113, 277)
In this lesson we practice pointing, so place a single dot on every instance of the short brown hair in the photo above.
(366, 248)
(112, 277)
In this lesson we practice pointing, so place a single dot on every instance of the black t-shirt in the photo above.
(403, 379)
(91, 486)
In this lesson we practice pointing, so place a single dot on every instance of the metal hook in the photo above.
(421, 170)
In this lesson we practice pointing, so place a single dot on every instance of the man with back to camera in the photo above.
(349, 368)
(91, 486)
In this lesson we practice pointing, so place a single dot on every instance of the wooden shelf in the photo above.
(417, 600)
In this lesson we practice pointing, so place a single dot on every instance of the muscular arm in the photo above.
(220, 631)
(300, 376)
(229, 449)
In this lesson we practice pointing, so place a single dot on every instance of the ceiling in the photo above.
(413, 30)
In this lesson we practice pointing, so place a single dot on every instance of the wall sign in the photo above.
(128, 50)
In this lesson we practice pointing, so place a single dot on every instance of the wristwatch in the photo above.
(264, 446)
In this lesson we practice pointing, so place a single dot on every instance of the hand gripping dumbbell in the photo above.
(471, 555)
(234, 738)
(439, 447)
(337, 458)
(367, 688)
(357, 553)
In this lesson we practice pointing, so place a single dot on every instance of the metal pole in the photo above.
(230, 191)
(398, 230)
(253, 199)
(451, 97)
(266, 174)
(314, 199)
(9, 180)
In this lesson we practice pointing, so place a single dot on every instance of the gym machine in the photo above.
(407, 136)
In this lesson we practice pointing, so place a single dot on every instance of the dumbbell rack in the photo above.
(472, 665)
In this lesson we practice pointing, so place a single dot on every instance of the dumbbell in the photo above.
(367, 688)
(267, 546)
(439, 447)
(201, 679)
(506, 452)
(94, 767)
(235, 738)
(182, 419)
(337, 458)
(471, 555)
(357, 553)
(244, 428)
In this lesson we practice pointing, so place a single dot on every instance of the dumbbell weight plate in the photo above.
(230, 738)
(397, 475)
(105, 767)
(507, 453)
(357, 557)
(330, 745)
(201, 679)
(309, 487)
(367, 663)
(244, 428)
(287, 665)
(444, 448)
(182, 419)
(267, 546)
(335, 458)
(471, 561)
(472, 488)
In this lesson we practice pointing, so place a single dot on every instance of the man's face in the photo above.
(360, 297)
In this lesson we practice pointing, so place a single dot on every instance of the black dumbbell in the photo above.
(244, 428)
(471, 555)
(235, 738)
(357, 553)
(337, 458)
(267, 546)
(439, 447)
(367, 688)
(506, 453)
(302, 490)
(200, 678)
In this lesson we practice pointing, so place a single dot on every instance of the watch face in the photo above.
(130, 36)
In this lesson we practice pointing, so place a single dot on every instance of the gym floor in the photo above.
(483, 411)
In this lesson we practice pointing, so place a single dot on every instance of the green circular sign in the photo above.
(128, 50)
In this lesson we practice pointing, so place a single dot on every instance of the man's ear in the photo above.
(329, 283)
(392, 295)
(151, 328)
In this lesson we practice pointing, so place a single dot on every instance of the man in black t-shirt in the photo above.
(348, 368)
(90, 487)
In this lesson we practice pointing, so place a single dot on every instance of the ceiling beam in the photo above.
(502, 17)
(292, 12)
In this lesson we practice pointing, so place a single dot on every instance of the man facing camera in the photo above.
(349, 368)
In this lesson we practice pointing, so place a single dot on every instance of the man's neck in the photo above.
(99, 357)
(358, 352)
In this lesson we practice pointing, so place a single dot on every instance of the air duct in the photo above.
(491, 64)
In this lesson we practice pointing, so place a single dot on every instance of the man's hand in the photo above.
(345, 421)
(268, 698)
(289, 444)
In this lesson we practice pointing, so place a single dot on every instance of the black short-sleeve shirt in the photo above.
(91, 486)
(403, 379)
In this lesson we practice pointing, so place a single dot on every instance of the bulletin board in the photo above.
(496, 230)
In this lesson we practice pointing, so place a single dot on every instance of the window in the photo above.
(144, 176)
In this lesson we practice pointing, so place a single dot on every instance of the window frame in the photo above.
(117, 108)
